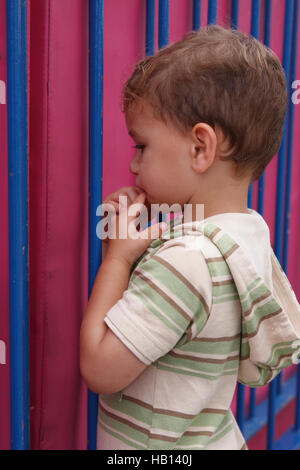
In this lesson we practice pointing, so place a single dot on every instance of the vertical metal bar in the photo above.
(240, 415)
(289, 8)
(196, 15)
(150, 27)
(212, 15)
(261, 182)
(291, 114)
(163, 29)
(255, 18)
(17, 117)
(271, 416)
(163, 40)
(282, 151)
(268, 17)
(96, 30)
(297, 411)
(235, 4)
(255, 23)
(290, 137)
(267, 36)
(252, 408)
(290, 132)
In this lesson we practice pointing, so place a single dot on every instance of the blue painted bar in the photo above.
(271, 416)
(261, 182)
(282, 152)
(240, 412)
(196, 15)
(235, 4)
(17, 91)
(255, 18)
(290, 137)
(252, 411)
(212, 15)
(290, 134)
(297, 417)
(150, 27)
(255, 23)
(267, 36)
(163, 23)
(289, 441)
(255, 424)
(288, 29)
(96, 29)
(291, 112)
(250, 196)
(163, 40)
(268, 22)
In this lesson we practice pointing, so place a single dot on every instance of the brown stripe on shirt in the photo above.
(204, 359)
(177, 414)
(232, 250)
(185, 281)
(164, 295)
(214, 260)
(198, 433)
(214, 233)
(214, 410)
(124, 421)
(223, 283)
(266, 317)
(162, 437)
(221, 338)
(256, 301)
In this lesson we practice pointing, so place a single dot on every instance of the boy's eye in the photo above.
(139, 147)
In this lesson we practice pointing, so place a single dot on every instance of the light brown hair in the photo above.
(224, 78)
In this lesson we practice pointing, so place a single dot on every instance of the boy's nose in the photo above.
(134, 166)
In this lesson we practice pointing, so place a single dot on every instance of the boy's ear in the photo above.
(204, 146)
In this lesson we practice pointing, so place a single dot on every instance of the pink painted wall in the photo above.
(58, 174)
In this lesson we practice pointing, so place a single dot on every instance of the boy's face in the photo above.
(161, 162)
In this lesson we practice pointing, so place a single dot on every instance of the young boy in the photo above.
(173, 322)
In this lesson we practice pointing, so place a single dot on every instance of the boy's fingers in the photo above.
(154, 231)
(113, 203)
(129, 191)
(132, 194)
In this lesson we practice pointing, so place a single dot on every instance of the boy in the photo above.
(173, 322)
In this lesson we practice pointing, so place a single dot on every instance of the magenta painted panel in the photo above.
(58, 220)
(58, 174)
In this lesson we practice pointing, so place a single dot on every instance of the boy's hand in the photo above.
(133, 243)
(130, 191)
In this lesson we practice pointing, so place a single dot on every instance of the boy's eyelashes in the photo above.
(139, 147)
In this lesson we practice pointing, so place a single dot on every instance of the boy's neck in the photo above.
(203, 211)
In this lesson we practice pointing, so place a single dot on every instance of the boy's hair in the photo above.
(222, 77)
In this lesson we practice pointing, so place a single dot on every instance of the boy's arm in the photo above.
(106, 364)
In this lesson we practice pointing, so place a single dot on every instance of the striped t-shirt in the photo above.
(182, 315)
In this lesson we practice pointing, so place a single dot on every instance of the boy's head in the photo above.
(222, 78)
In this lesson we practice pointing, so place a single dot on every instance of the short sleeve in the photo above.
(168, 300)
